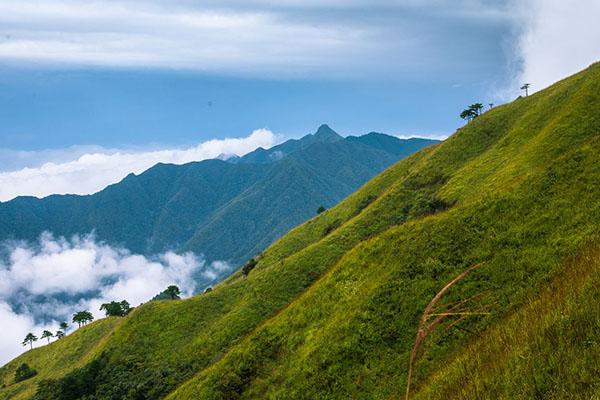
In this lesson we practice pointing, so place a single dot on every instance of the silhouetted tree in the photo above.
(472, 112)
(47, 335)
(59, 334)
(321, 210)
(468, 115)
(526, 87)
(29, 339)
(63, 326)
(477, 109)
(173, 292)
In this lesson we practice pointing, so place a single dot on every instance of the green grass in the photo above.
(331, 309)
(547, 349)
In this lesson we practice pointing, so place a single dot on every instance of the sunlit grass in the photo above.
(332, 309)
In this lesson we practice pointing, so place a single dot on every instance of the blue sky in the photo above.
(399, 67)
(45, 109)
(90, 91)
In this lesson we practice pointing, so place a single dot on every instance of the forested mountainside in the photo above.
(226, 210)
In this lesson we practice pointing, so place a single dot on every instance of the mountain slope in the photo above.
(202, 206)
(332, 308)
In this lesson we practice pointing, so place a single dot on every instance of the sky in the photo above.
(91, 91)
(85, 85)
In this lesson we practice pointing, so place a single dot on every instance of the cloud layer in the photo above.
(285, 38)
(556, 39)
(91, 172)
(42, 284)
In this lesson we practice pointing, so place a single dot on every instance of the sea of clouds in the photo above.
(45, 282)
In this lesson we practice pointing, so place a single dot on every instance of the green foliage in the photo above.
(29, 339)
(472, 112)
(82, 317)
(24, 372)
(335, 316)
(116, 308)
(47, 335)
(170, 293)
(321, 209)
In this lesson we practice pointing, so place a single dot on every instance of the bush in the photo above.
(249, 266)
(24, 372)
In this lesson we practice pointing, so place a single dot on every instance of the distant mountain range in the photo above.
(227, 209)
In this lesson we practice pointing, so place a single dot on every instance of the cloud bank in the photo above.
(556, 39)
(284, 38)
(44, 283)
(91, 172)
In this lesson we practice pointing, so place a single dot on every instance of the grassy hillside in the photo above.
(332, 308)
(58, 358)
(548, 349)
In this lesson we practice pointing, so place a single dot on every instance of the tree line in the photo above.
(111, 309)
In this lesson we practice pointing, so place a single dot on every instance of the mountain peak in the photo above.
(325, 133)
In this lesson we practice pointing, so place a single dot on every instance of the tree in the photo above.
(468, 115)
(173, 292)
(491, 105)
(29, 339)
(472, 112)
(47, 335)
(321, 210)
(82, 317)
(526, 87)
(59, 334)
(63, 326)
(125, 307)
(78, 318)
(24, 371)
(116, 309)
(477, 109)
(170, 293)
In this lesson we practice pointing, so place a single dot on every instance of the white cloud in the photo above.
(557, 38)
(44, 283)
(91, 172)
(133, 34)
(258, 37)
(15, 326)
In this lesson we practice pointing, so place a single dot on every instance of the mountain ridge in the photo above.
(182, 207)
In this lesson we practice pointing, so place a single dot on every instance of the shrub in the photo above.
(24, 372)
(249, 266)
